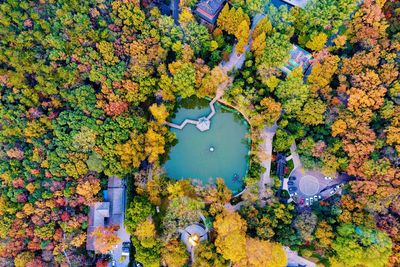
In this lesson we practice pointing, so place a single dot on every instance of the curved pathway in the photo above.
(267, 136)
(220, 92)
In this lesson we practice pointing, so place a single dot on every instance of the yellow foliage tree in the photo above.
(159, 112)
(264, 26)
(107, 51)
(23, 258)
(154, 145)
(185, 16)
(313, 112)
(131, 152)
(88, 189)
(317, 42)
(272, 110)
(105, 238)
(261, 253)
(258, 45)
(242, 34)
(174, 254)
(78, 240)
(338, 127)
(324, 234)
(146, 233)
(211, 81)
(231, 236)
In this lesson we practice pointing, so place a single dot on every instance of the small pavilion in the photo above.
(203, 124)
(192, 235)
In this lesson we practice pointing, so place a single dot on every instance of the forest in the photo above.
(87, 86)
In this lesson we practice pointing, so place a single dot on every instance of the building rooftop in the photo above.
(203, 124)
(97, 214)
(193, 235)
(208, 10)
(298, 58)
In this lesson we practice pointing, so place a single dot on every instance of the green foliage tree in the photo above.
(206, 255)
(137, 212)
(184, 80)
(276, 51)
(358, 245)
(174, 254)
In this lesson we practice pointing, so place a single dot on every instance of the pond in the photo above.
(222, 151)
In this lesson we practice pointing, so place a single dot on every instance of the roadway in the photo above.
(117, 198)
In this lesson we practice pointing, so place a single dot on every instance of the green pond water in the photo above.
(191, 156)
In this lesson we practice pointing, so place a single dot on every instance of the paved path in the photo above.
(182, 125)
(174, 6)
(298, 3)
(266, 147)
(117, 198)
(295, 260)
(295, 156)
(236, 61)
(236, 207)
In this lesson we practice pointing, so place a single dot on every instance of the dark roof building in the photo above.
(208, 10)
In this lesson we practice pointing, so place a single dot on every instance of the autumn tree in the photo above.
(146, 233)
(312, 112)
(206, 255)
(174, 254)
(263, 253)
(317, 42)
(264, 26)
(231, 236)
(88, 187)
(154, 144)
(159, 112)
(242, 34)
(216, 196)
(181, 211)
(368, 24)
(212, 81)
(293, 93)
(138, 211)
(105, 238)
(131, 153)
(324, 234)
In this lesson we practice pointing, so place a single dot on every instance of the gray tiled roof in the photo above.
(209, 9)
(211, 6)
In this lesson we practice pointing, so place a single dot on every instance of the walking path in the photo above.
(220, 92)
(117, 198)
(183, 124)
(236, 207)
(295, 156)
(295, 260)
(267, 136)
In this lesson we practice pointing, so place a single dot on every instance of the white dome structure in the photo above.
(192, 235)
